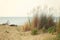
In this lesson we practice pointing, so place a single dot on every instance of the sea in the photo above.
(14, 20)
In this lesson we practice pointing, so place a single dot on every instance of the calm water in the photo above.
(14, 20)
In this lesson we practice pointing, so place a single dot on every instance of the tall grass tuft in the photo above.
(58, 26)
(46, 22)
(35, 21)
(26, 27)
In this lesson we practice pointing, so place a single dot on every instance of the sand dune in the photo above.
(14, 33)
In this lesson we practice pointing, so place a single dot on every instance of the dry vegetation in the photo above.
(14, 33)
(41, 27)
(23, 32)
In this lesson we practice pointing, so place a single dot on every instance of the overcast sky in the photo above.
(20, 8)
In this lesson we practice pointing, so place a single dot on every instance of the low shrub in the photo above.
(51, 30)
(34, 32)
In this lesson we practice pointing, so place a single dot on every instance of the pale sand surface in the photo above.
(14, 33)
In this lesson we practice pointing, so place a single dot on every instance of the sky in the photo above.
(23, 8)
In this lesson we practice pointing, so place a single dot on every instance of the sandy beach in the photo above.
(14, 33)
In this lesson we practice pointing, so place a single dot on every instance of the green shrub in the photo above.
(34, 32)
(51, 29)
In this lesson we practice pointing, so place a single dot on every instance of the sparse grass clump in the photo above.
(26, 27)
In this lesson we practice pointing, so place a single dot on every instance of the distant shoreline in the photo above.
(14, 20)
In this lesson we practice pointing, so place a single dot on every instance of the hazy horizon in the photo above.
(14, 20)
